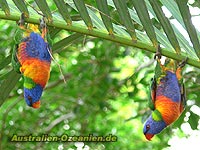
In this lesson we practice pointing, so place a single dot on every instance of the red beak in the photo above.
(36, 104)
(149, 136)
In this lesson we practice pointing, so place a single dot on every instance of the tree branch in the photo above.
(54, 84)
(58, 120)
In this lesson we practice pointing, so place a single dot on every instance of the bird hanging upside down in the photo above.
(32, 59)
(167, 98)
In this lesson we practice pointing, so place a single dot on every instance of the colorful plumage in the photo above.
(32, 59)
(167, 98)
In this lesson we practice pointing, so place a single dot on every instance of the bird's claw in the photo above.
(21, 21)
(43, 27)
(183, 63)
(43, 23)
(158, 53)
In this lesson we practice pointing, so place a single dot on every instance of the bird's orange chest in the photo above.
(169, 110)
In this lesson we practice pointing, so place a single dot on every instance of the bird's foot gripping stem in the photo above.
(43, 27)
(158, 56)
(21, 21)
(179, 68)
(158, 53)
(183, 63)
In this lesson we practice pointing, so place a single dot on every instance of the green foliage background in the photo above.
(106, 92)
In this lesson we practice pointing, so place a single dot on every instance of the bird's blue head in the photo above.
(32, 96)
(152, 127)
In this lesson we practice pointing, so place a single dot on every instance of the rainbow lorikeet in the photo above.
(31, 58)
(167, 98)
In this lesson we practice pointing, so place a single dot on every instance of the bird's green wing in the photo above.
(15, 62)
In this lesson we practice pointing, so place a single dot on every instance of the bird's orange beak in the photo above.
(149, 136)
(36, 104)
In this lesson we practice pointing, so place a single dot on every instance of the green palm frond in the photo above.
(175, 45)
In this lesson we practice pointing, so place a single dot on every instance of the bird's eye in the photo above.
(147, 127)
(30, 99)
